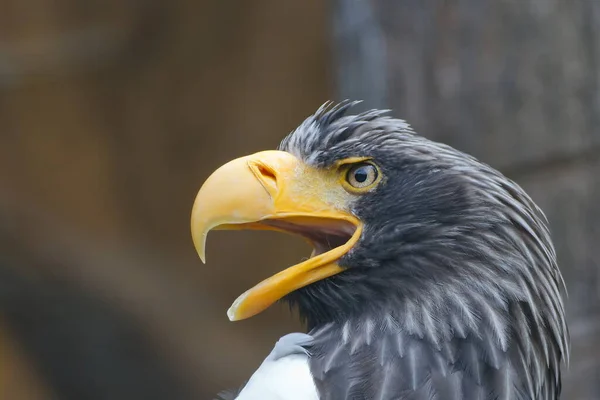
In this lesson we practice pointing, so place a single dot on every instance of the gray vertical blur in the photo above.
(517, 84)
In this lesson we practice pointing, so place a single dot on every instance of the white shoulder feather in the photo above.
(285, 373)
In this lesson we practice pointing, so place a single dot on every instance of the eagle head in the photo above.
(421, 252)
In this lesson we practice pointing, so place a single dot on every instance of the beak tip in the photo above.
(234, 311)
(199, 241)
(231, 314)
(202, 254)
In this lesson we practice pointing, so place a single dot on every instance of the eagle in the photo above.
(432, 275)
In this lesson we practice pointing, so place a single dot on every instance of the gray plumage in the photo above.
(292, 343)
(452, 292)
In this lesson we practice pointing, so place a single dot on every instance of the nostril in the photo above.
(266, 172)
(267, 175)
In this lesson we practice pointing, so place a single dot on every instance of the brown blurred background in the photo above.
(112, 113)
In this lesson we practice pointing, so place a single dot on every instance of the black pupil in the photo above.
(361, 174)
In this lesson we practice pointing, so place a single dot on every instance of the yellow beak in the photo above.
(273, 190)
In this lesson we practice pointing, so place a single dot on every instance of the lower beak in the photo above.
(273, 190)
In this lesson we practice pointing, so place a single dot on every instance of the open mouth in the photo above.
(331, 238)
(323, 234)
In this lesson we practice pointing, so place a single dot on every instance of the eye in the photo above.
(362, 175)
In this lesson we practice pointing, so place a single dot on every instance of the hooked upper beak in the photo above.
(274, 190)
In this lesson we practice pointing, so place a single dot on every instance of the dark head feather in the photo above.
(453, 290)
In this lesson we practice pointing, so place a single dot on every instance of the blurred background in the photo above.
(113, 112)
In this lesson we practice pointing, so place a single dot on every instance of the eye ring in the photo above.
(361, 177)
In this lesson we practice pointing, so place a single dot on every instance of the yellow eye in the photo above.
(362, 175)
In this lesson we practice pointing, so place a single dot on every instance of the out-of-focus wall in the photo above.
(516, 84)
(112, 114)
